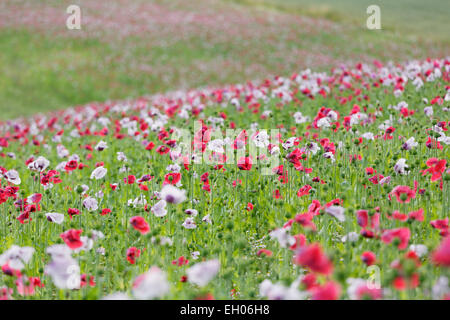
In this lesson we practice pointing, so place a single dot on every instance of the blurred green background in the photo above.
(127, 49)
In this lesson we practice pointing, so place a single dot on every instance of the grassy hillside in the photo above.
(130, 49)
(415, 19)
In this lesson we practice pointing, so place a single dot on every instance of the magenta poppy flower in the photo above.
(245, 163)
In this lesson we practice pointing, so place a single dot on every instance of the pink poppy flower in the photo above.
(328, 291)
(403, 194)
(312, 257)
(402, 234)
(305, 220)
(441, 256)
(436, 168)
(303, 191)
(416, 215)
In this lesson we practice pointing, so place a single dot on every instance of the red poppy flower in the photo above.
(35, 198)
(72, 212)
(376, 178)
(140, 224)
(402, 282)
(150, 146)
(436, 168)
(204, 177)
(276, 194)
(315, 207)
(163, 150)
(245, 163)
(105, 212)
(181, 261)
(206, 187)
(24, 217)
(300, 241)
(309, 281)
(130, 179)
(433, 144)
(84, 281)
(368, 257)
(72, 238)
(172, 178)
(266, 252)
(143, 187)
(278, 170)
(132, 254)
(7, 270)
(305, 220)
(71, 165)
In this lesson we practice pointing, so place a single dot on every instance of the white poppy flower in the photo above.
(55, 217)
(203, 272)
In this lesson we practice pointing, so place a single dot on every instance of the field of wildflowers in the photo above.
(127, 49)
(319, 185)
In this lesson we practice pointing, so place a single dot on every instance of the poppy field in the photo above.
(128, 49)
(320, 185)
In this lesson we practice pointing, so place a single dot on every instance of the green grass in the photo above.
(42, 71)
(412, 18)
